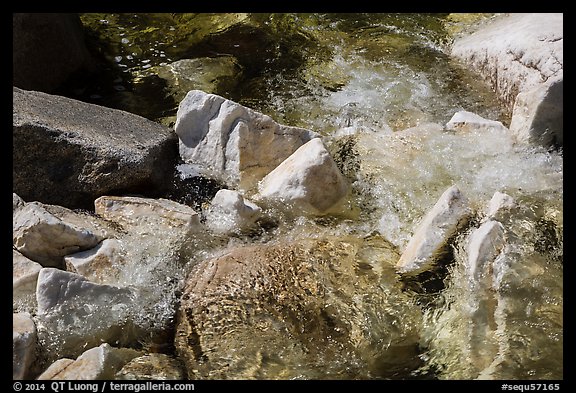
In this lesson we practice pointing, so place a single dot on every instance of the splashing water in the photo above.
(366, 80)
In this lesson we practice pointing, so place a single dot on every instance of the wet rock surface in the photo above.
(283, 311)
(522, 57)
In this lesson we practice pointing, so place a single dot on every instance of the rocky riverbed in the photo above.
(234, 246)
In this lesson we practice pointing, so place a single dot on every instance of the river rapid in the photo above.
(360, 80)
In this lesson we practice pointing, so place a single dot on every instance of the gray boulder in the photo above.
(68, 153)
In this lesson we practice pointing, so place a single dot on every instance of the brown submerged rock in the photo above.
(282, 311)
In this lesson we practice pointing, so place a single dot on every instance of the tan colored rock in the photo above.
(55, 369)
(98, 363)
(100, 264)
(296, 310)
(147, 212)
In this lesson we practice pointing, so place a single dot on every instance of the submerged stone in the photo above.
(152, 367)
(209, 74)
(313, 309)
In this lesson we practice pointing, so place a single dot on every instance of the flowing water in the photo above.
(358, 79)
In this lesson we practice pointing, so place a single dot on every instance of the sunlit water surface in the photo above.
(368, 78)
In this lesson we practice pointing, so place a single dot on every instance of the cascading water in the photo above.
(360, 80)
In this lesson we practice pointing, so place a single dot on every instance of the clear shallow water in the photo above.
(360, 80)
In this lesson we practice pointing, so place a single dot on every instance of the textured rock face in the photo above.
(46, 239)
(516, 52)
(449, 214)
(147, 212)
(282, 311)
(46, 49)
(65, 298)
(23, 345)
(522, 57)
(308, 180)
(538, 115)
(97, 363)
(68, 153)
(230, 142)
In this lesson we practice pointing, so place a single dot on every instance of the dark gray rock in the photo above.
(47, 49)
(68, 153)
